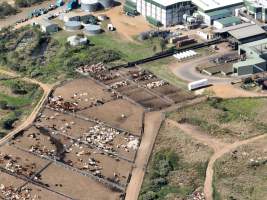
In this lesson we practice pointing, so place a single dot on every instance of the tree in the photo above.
(3, 105)
(154, 48)
(163, 44)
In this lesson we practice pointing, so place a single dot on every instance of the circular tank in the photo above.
(89, 5)
(106, 3)
(92, 29)
(72, 25)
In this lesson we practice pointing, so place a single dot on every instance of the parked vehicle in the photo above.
(198, 84)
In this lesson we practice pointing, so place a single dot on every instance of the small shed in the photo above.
(46, 25)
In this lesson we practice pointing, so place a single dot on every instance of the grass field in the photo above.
(229, 120)
(177, 170)
(129, 51)
(242, 174)
(17, 99)
(160, 68)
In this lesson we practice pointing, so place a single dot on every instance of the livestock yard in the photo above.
(87, 133)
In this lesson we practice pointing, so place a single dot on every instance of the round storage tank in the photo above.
(92, 29)
(89, 5)
(106, 3)
(72, 25)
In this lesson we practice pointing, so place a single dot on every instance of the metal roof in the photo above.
(229, 20)
(207, 5)
(227, 29)
(219, 12)
(247, 32)
(166, 3)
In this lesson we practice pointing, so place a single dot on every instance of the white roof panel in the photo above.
(206, 5)
(168, 2)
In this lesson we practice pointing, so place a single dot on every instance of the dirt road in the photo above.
(218, 147)
(152, 122)
(30, 119)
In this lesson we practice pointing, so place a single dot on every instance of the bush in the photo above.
(26, 3)
(6, 10)
(3, 105)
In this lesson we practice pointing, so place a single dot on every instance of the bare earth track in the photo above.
(218, 147)
(46, 91)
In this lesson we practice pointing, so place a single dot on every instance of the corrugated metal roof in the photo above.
(167, 2)
(246, 32)
(206, 5)
(219, 12)
(227, 29)
(229, 20)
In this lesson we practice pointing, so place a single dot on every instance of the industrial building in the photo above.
(226, 22)
(247, 34)
(206, 6)
(161, 12)
(257, 8)
(212, 10)
(46, 25)
(253, 58)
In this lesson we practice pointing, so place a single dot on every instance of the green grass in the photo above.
(230, 120)
(174, 171)
(19, 106)
(236, 178)
(129, 50)
(161, 69)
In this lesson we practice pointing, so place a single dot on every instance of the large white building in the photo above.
(167, 12)
(170, 12)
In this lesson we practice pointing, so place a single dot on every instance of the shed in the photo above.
(46, 25)
(226, 22)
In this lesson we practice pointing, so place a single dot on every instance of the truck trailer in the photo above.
(198, 84)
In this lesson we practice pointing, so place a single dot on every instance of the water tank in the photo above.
(72, 25)
(89, 5)
(106, 3)
(92, 29)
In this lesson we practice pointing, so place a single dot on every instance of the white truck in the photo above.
(198, 84)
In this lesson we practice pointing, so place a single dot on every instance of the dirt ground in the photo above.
(30, 163)
(108, 165)
(24, 12)
(230, 91)
(84, 92)
(112, 112)
(75, 185)
(125, 25)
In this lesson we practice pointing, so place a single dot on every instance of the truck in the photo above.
(198, 84)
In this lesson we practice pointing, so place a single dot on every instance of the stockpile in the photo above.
(156, 84)
(59, 104)
(92, 69)
(12, 193)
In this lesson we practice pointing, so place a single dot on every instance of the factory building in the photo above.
(257, 8)
(226, 22)
(212, 10)
(162, 12)
(253, 58)
(46, 25)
